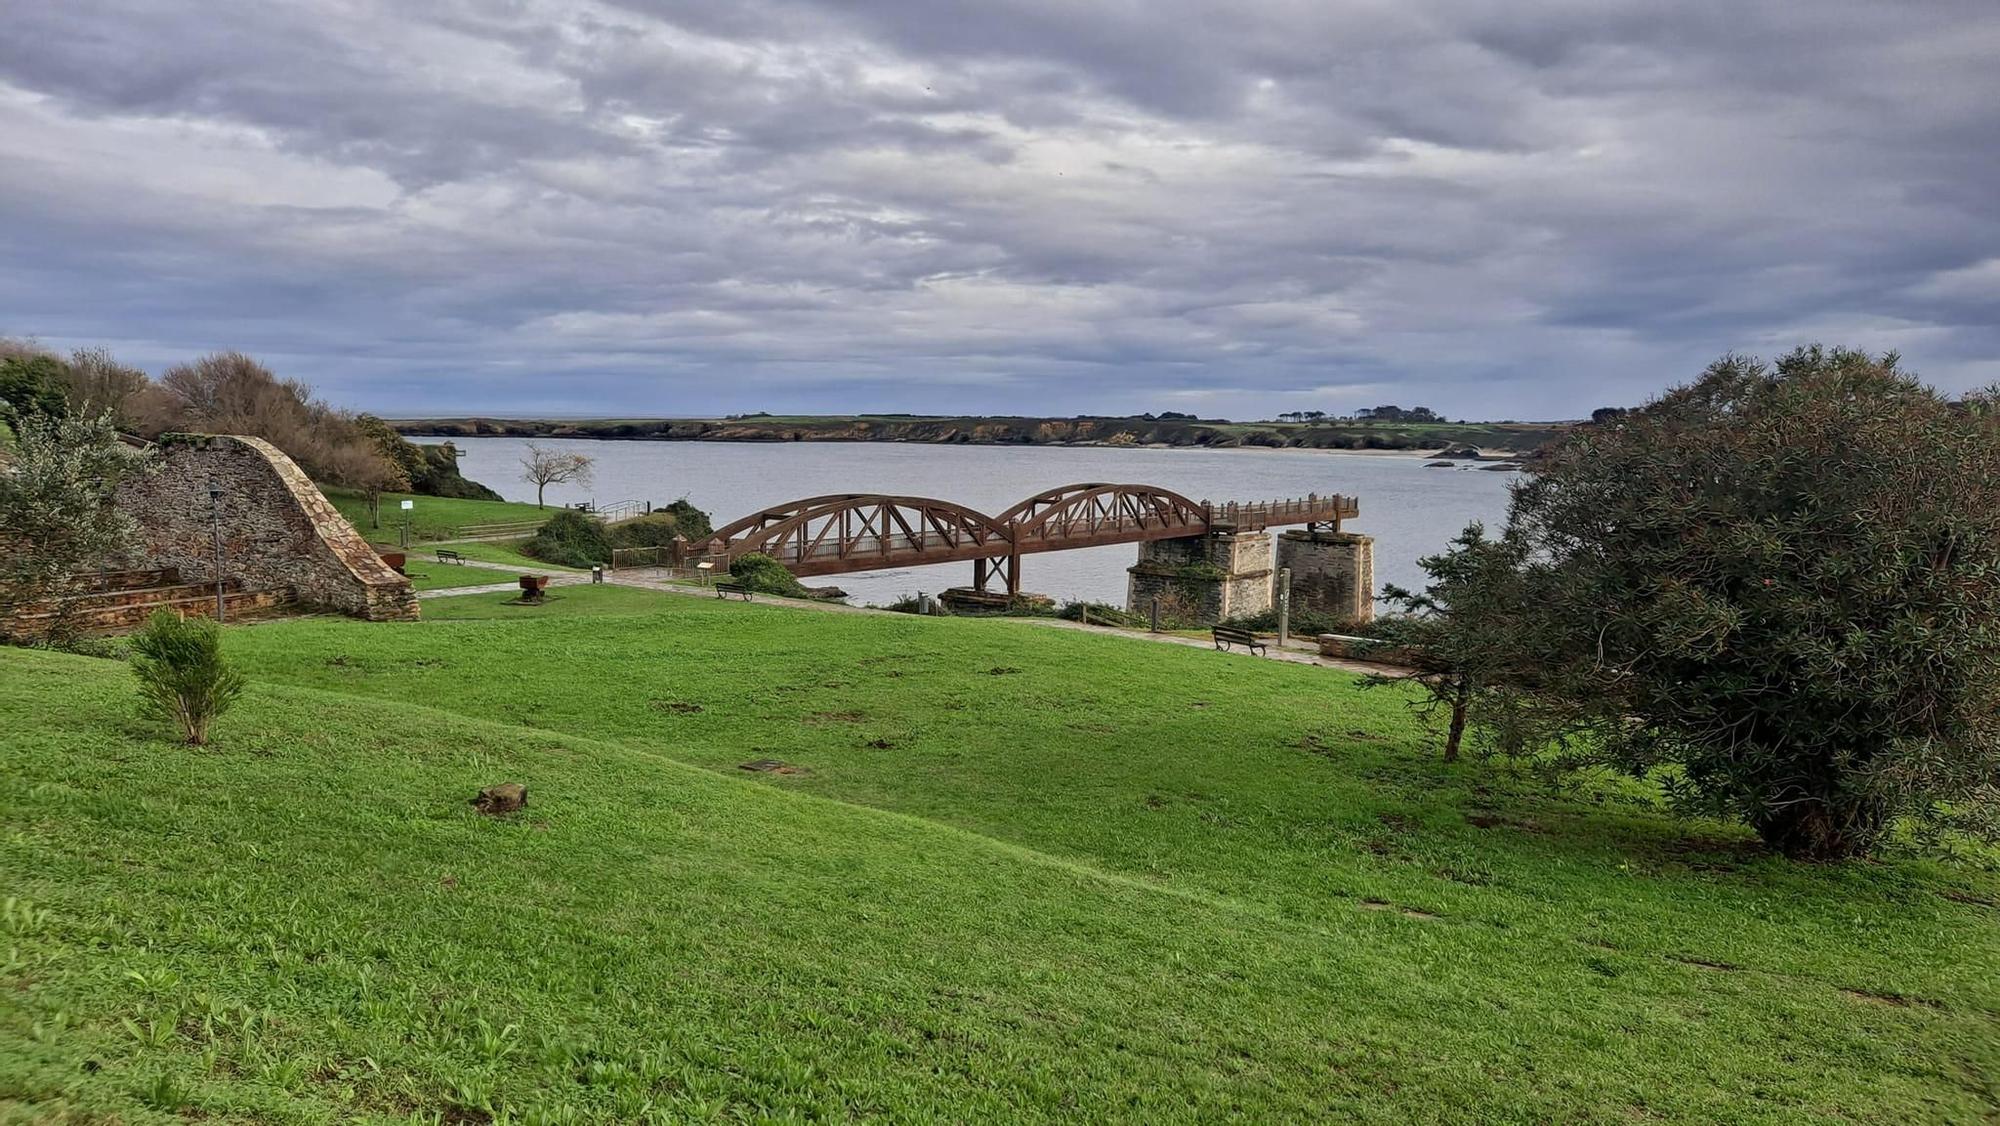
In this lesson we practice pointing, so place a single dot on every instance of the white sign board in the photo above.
(408, 505)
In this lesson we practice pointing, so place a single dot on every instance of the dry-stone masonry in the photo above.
(1333, 573)
(1203, 579)
(278, 530)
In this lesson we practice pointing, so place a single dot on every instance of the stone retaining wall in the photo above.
(278, 530)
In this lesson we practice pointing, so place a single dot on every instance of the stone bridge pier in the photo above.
(1333, 573)
(1210, 578)
(1204, 578)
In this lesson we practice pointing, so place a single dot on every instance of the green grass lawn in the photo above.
(432, 518)
(1021, 874)
(448, 576)
(499, 551)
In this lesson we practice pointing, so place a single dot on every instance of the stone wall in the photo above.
(1333, 573)
(1202, 579)
(278, 530)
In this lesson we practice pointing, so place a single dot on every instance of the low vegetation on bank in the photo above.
(1332, 434)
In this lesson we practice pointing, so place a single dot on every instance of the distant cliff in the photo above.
(1521, 437)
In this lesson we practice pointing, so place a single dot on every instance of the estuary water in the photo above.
(1410, 510)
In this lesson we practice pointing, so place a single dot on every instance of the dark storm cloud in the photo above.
(654, 206)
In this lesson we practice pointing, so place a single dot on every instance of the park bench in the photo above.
(723, 590)
(1225, 636)
(447, 555)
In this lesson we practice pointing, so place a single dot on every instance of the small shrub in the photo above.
(1304, 623)
(1102, 613)
(655, 530)
(766, 575)
(571, 539)
(182, 675)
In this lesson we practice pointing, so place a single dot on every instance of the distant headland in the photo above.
(1165, 430)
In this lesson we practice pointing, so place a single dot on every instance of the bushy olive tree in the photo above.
(58, 516)
(1777, 590)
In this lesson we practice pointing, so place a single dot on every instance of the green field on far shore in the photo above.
(981, 871)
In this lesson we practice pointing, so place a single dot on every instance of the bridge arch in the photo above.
(846, 532)
(1074, 515)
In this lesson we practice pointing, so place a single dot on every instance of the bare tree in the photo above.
(542, 467)
(95, 383)
(230, 393)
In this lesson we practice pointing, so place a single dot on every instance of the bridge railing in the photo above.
(1309, 509)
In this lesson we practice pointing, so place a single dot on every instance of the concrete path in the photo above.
(556, 578)
(1297, 653)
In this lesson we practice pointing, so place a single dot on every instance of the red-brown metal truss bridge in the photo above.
(845, 532)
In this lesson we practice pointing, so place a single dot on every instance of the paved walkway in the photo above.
(556, 578)
(1298, 653)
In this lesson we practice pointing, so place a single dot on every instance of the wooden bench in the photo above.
(447, 555)
(1225, 636)
(724, 590)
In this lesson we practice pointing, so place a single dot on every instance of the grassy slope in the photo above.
(1160, 905)
(433, 518)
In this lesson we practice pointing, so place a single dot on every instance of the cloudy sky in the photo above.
(1520, 209)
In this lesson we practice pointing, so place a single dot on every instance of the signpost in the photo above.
(405, 530)
(1284, 606)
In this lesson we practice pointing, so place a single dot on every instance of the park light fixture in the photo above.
(215, 527)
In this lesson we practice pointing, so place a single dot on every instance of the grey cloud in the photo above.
(655, 206)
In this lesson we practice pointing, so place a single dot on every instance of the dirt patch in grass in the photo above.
(1487, 819)
(675, 707)
(821, 719)
(1406, 912)
(1364, 736)
(772, 766)
(1889, 1000)
(1706, 964)
(1002, 670)
(880, 745)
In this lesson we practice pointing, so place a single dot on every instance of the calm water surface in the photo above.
(1410, 510)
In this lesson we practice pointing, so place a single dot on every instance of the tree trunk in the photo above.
(1817, 829)
(539, 486)
(1456, 735)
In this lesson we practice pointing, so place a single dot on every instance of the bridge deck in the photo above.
(843, 533)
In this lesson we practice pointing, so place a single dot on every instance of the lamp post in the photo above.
(215, 525)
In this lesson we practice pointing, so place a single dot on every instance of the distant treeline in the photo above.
(1143, 430)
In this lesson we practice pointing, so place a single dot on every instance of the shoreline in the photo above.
(1487, 454)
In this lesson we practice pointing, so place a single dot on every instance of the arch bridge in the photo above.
(840, 533)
